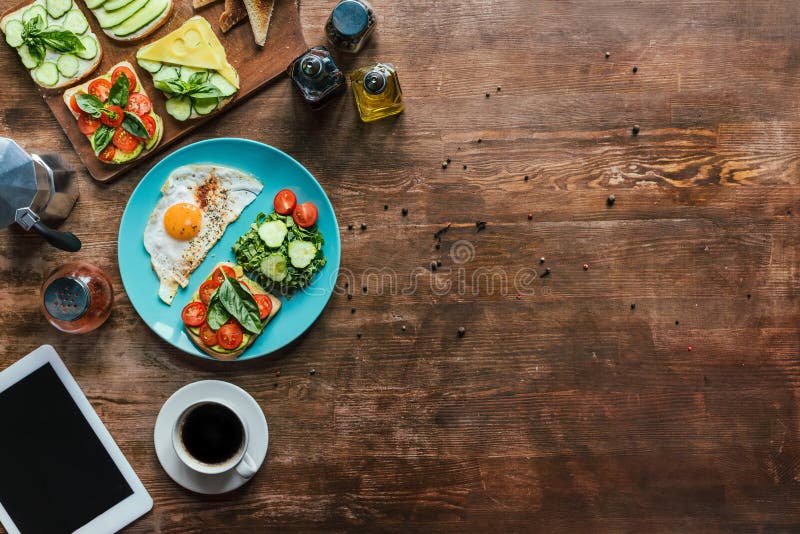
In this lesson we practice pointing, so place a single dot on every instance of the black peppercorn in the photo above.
(480, 140)
(363, 226)
(444, 164)
(465, 167)
(438, 246)
(499, 88)
(635, 129)
(312, 372)
(487, 95)
(433, 266)
(608, 55)
(385, 207)
(541, 260)
(404, 211)
(635, 70)
(403, 328)
(526, 177)
(358, 335)
(349, 226)
(352, 310)
(364, 289)
(633, 306)
(610, 200)
(349, 296)
(448, 160)
(461, 331)
(438, 263)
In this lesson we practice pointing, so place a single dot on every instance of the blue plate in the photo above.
(277, 171)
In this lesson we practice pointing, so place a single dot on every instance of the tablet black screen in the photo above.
(55, 474)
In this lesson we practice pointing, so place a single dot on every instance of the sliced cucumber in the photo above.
(204, 106)
(272, 233)
(222, 84)
(94, 4)
(301, 253)
(30, 13)
(166, 74)
(274, 267)
(68, 65)
(156, 135)
(149, 66)
(27, 58)
(141, 18)
(179, 107)
(89, 47)
(76, 22)
(109, 19)
(54, 28)
(46, 74)
(112, 5)
(57, 8)
(14, 30)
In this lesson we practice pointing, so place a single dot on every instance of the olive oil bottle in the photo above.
(377, 91)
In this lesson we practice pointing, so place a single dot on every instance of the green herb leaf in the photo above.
(33, 26)
(216, 315)
(239, 302)
(63, 41)
(37, 51)
(197, 78)
(102, 137)
(90, 104)
(205, 90)
(118, 94)
(134, 125)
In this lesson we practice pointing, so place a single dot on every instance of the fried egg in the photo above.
(197, 204)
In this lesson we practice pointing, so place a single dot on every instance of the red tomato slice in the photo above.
(207, 335)
(217, 276)
(264, 305)
(194, 314)
(285, 201)
(100, 88)
(139, 103)
(305, 214)
(87, 124)
(119, 71)
(112, 116)
(149, 125)
(73, 102)
(108, 153)
(207, 289)
(229, 336)
(124, 140)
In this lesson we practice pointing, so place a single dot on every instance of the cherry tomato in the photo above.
(112, 116)
(208, 336)
(87, 124)
(119, 71)
(264, 305)
(124, 140)
(100, 88)
(194, 314)
(217, 276)
(229, 336)
(285, 201)
(149, 125)
(108, 153)
(139, 103)
(207, 289)
(305, 214)
(73, 102)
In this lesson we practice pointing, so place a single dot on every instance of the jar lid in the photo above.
(375, 82)
(311, 65)
(67, 298)
(350, 18)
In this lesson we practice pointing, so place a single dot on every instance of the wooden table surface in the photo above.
(573, 402)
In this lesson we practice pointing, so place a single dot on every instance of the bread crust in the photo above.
(276, 306)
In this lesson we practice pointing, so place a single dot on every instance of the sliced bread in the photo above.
(260, 13)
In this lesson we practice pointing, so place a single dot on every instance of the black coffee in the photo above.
(212, 433)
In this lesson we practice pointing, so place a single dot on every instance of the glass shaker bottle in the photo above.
(77, 298)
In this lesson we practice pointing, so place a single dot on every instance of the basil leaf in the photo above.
(89, 104)
(239, 302)
(216, 315)
(118, 94)
(197, 78)
(62, 41)
(34, 26)
(134, 125)
(37, 51)
(205, 90)
(102, 137)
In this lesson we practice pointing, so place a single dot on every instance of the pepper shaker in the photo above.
(317, 77)
(77, 298)
(350, 24)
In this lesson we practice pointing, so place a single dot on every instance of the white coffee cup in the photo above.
(241, 460)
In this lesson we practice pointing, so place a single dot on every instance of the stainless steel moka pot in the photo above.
(36, 191)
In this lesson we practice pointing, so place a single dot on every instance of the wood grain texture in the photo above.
(257, 66)
(563, 408)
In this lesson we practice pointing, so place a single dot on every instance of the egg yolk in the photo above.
(182, 221)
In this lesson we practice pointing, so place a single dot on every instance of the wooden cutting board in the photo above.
(257, 66)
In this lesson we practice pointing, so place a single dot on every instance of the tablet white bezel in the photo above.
(124, 512)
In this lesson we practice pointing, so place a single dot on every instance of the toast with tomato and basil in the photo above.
(115, 114)
(228, 312)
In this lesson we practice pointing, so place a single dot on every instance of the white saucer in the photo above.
(246, 406)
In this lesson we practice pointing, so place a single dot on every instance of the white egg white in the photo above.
(221, 193)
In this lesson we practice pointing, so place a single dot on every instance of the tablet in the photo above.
(60, 470)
